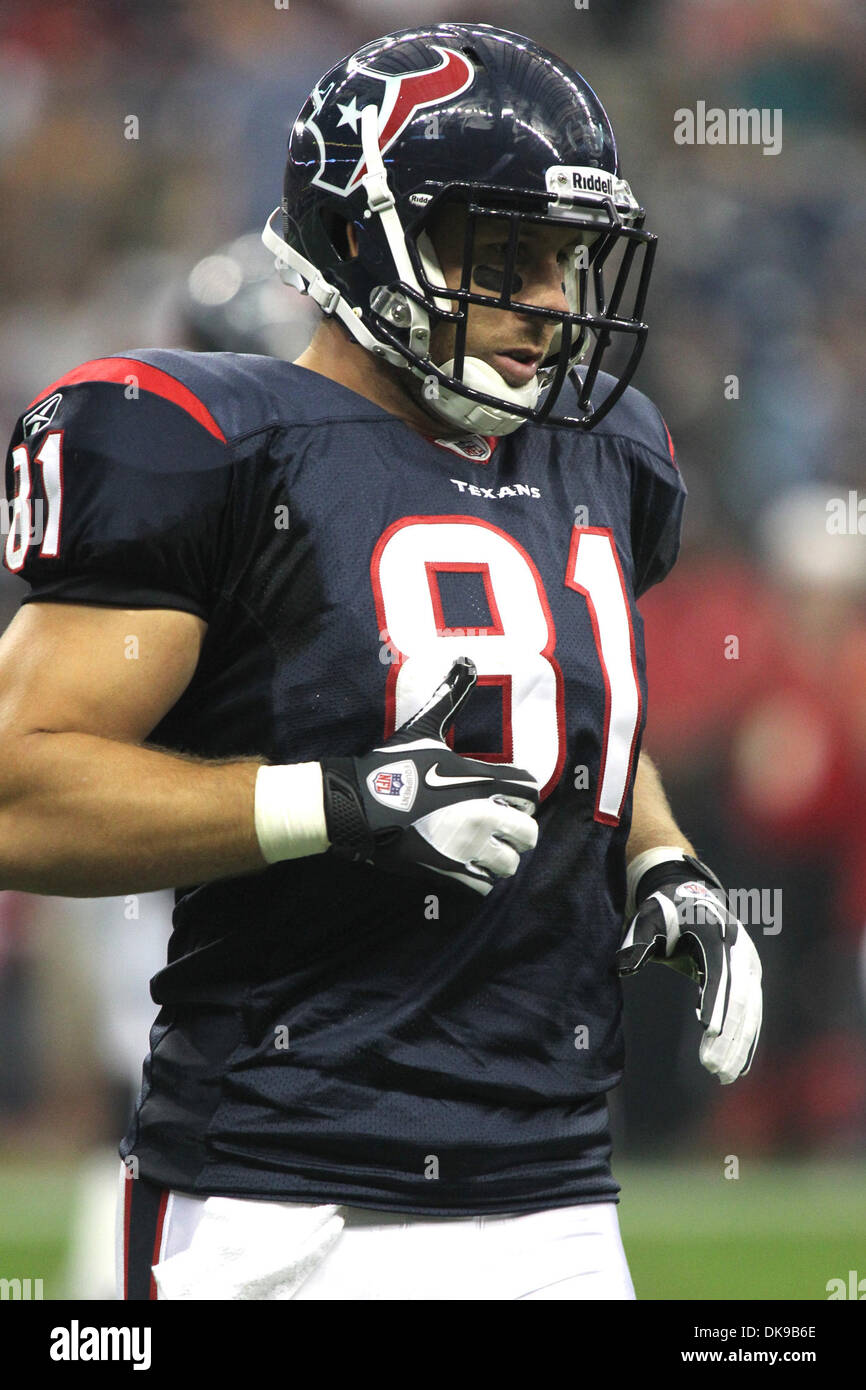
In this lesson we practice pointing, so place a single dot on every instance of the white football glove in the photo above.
(681, 918)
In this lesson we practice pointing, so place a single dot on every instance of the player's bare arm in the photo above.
(652, 821)
(86, 809)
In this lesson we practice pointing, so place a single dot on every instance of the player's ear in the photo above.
(341, 234)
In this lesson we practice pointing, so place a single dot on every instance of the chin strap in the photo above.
(295, 270)
(380, 202)
(474, 415)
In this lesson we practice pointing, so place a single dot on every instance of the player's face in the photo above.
(511, 342)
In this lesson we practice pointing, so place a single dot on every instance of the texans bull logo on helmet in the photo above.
(397, 98)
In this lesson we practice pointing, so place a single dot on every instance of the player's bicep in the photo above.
(99, 670)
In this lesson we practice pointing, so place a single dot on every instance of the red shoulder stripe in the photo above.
(149, 379)
(670, 444)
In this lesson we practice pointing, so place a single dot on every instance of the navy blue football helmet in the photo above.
(472, 115)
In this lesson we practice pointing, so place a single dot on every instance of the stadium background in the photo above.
(762, 741)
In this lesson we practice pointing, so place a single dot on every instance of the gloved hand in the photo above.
(413, 806)
(681, 918)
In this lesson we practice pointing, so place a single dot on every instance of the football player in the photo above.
(347, 651)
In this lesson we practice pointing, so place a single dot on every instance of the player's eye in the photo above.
(498, 250)
(491, 277)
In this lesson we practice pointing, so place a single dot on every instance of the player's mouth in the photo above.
(517, 365)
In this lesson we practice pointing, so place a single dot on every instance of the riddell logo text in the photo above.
(592, 183)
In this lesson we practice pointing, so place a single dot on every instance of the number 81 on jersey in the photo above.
(517, 648)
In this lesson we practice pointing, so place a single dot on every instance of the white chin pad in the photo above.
(484, 419)
(480, 376)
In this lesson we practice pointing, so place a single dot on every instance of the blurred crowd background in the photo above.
(756, 356)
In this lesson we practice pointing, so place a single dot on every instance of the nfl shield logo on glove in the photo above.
(395, 784)
(389, 783)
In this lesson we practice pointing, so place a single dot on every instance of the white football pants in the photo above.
(236, 1248)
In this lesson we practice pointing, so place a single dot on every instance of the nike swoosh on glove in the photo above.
(413, 806)
(682, 920)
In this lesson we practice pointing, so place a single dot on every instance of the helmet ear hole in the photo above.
(336, 229)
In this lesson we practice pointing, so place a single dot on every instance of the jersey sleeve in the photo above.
(658, 502)
(117, 482)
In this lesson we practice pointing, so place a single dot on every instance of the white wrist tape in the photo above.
(290, 811)
(665, 854)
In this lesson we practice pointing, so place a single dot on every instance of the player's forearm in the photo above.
(82, 816)
(652, 821)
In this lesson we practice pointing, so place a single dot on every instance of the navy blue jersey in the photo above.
(328, 1032)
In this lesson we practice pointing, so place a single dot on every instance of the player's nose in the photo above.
(545, 288)
(545, 295)
(549, 289)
